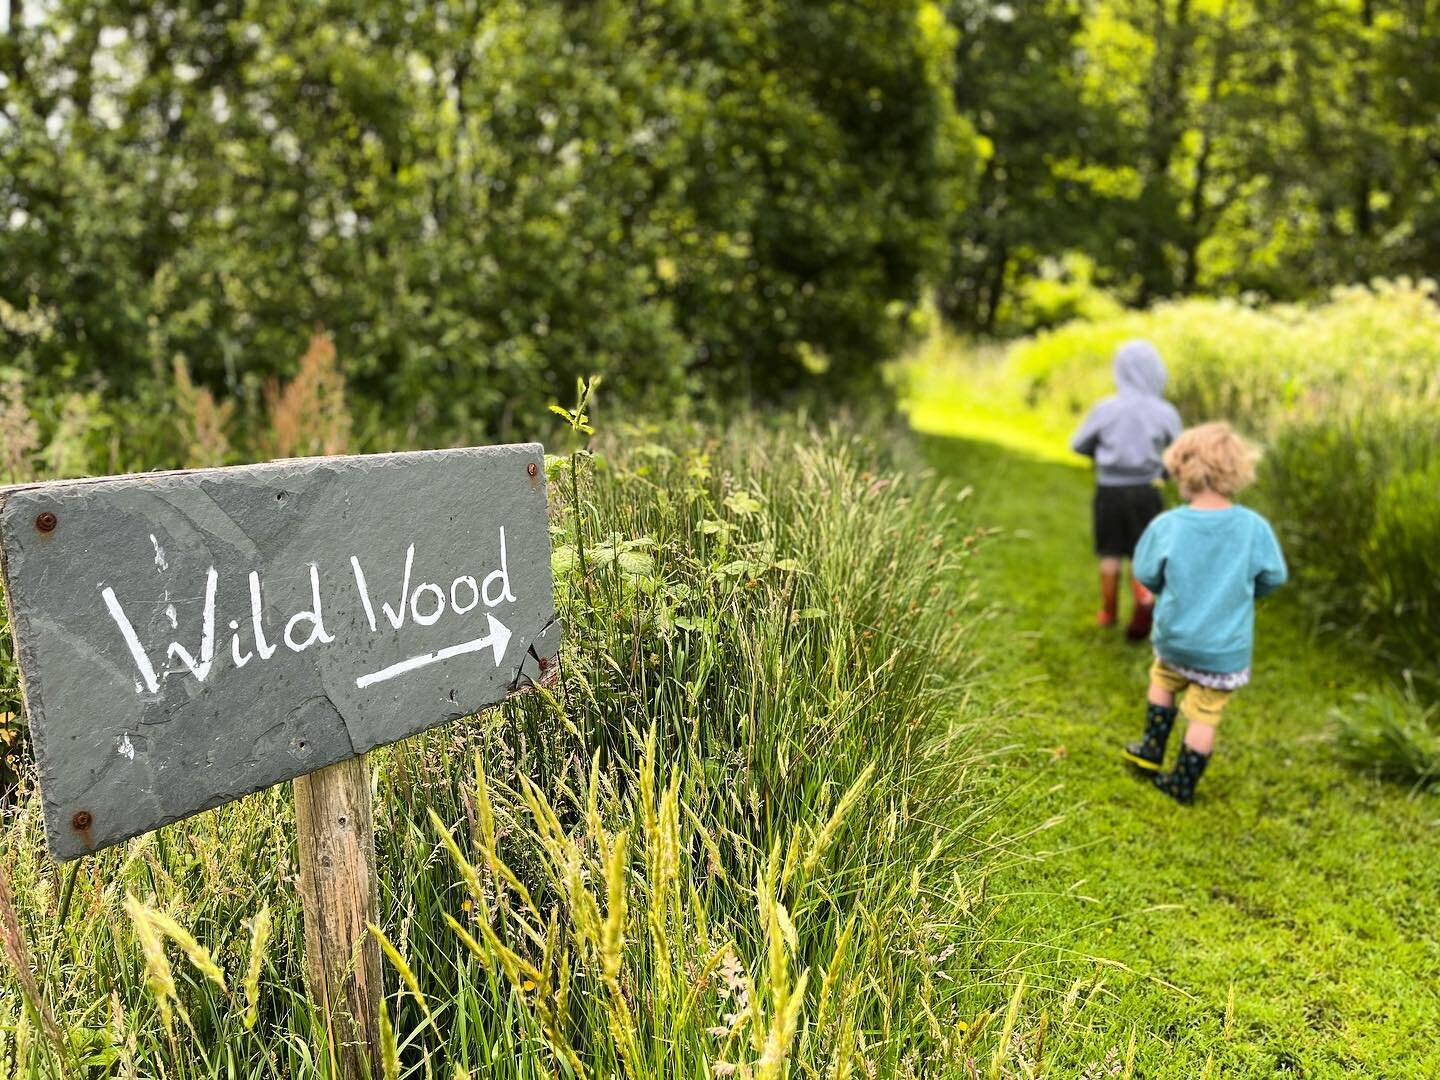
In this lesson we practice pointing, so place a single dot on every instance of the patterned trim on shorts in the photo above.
(1216, 680)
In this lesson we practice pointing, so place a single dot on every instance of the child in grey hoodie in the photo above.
(1126, 435)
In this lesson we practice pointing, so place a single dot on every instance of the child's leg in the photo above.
(1109, 590)
(1143, 614)
(1202, 707)
(1149, 752)
(1141, 593)
(1200, 737)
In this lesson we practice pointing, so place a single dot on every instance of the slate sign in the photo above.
(186, 638)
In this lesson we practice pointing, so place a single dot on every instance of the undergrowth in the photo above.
(745, 832)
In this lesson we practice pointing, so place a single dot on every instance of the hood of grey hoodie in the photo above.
(1139, 369)
(1127, 433)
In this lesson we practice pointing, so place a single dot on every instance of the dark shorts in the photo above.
(1121, 514)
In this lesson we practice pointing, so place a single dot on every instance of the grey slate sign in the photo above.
(187, 638)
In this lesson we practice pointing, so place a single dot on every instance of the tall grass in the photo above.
(1367, 346)
(1393, 734)
(744, 833)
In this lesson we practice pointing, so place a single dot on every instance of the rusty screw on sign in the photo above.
(46, 522)
(532, 469)
(81, 821)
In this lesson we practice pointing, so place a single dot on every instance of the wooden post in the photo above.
(340, 894)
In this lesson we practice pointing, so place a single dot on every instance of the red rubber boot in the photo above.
(1109, 598)
(1143, 617)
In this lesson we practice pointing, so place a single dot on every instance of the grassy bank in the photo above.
(748, 832)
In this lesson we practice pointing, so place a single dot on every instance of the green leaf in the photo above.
(564, 560)
(636, 563)
(743, 503)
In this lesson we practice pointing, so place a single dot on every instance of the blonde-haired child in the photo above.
(1207, 562)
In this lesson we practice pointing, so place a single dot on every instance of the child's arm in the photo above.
(1148, 565)
(1087, 440)
(1267, 562)
(1173, 425)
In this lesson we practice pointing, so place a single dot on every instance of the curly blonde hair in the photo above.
(1212, 457)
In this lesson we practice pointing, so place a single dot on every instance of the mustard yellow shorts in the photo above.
(1201, 704)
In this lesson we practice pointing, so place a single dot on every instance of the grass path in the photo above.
(1312, 891)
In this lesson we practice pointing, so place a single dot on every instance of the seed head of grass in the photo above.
(259, 940)
(158, 975)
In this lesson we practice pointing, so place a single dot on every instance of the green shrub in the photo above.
(1357, 497)
(1393, 734)
(1064, 291)
(1403, 554)
(478, 203)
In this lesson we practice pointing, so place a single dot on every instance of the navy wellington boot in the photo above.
(1180, 784)
(1149, 752)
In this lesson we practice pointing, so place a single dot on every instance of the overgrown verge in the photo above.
(744, 834)
(1343, 394)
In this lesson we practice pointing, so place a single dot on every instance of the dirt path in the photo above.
(1312, 891)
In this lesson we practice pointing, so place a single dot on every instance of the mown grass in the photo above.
(1286, 924)
(746, 833)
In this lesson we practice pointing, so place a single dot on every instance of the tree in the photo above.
(1199, 145)
(1018, 78)
(478, 200)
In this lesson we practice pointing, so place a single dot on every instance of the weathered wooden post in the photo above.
(186, 638)
(340, 895)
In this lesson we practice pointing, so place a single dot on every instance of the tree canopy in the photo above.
(1199, 145)
(478, 200)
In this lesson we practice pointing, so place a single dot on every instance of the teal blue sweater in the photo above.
(1207, 567)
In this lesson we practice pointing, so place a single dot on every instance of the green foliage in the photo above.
(1253, 364)
(1393, 734)
(1018, 79)
(1061, 292)
(1193, 146)
(478, 201)
(1358, 494)
(14, 734)
(1402, 558)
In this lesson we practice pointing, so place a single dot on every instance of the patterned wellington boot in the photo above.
(1143, 615)
(1149, 752)
(1109, 598)
(1180, 784)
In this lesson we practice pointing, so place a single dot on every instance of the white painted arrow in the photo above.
(497, 640)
